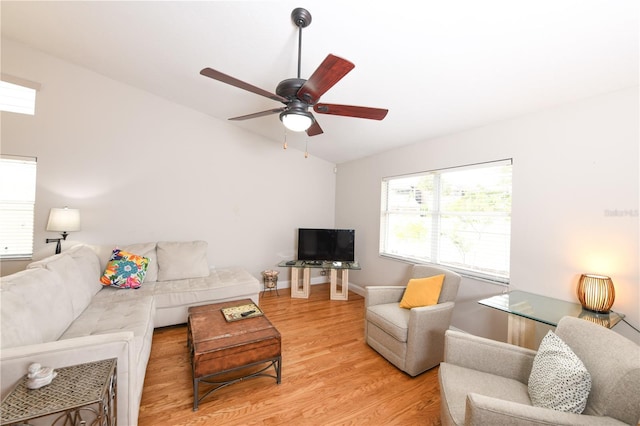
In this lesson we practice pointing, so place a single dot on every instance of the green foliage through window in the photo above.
(458, 217)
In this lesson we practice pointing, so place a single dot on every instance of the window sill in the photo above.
(463, 272)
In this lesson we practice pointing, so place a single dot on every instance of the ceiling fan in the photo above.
(298, 94)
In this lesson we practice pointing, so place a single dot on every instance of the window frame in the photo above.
(435, 213)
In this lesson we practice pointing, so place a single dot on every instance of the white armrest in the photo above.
(485, 410)
(378, 295)
(433, 317)
(489, 356)
(80, 350)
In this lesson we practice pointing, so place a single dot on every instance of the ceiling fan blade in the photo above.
(258, 114)
(217, 75)
(330, 71)
(351, 111)
(315, 128)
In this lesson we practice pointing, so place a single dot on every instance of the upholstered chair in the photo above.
(411, 339)
(486, 382)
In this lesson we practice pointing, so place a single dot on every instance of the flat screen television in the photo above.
(326, 244)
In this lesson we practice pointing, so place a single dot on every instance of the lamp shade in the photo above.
(596, 292)
(64, 220)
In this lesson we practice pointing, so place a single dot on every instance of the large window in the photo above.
(17, 201)
(459, 218)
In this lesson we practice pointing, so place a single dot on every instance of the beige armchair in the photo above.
(485, 382)
(411, 339)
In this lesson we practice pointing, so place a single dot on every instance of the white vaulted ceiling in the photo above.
(438, 66)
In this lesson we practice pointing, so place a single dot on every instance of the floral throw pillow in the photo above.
(125, 270)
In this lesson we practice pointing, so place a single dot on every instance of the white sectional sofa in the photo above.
(58, 313)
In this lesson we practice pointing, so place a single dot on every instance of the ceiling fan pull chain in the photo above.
(284, 146)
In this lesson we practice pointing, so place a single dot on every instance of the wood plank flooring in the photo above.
(330, 376)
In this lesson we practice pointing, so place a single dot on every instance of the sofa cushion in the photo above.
(559, 379)
(220, 284)
(102, 317)
(422, 292)
(147, 250)
(35, 308)
(182, 260)
(391, 318)
(79, 271)
(125, 270)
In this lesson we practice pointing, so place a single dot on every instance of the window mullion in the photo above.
(435, 219)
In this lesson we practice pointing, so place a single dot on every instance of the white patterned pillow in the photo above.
(558, 380)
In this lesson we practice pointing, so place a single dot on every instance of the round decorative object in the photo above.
(270, 278)
(596, 292)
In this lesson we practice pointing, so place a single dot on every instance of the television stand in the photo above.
(300, 288)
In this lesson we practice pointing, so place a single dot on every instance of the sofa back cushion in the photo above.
(613, 361)
(79, 271)
(35, 308)
(182, 260)
(147, 250)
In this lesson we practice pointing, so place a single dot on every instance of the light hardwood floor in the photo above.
(330, 376)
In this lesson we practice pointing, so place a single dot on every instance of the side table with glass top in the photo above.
(525, 309)
(81, 394)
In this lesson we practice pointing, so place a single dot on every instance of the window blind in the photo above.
(16, 98)
(458, 217)
(17, 202)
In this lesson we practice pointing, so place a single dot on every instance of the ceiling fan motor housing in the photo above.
(289, 88)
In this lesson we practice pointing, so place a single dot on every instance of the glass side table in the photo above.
(339, 280)
(525, 309)
(84, 389)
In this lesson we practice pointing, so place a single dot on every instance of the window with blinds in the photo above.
(459, 218)
(17, 202)
(17, 98)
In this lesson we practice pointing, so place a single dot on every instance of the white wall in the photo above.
(571, 165)
(141, 168)
(144, 169)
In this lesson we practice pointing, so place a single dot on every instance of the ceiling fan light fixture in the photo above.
(298, 94)
(295, 120)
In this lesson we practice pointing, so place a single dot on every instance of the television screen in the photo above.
(326, 244)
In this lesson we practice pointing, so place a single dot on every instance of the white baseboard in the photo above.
(356, 289)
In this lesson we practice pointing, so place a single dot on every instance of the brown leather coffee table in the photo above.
(218, 347)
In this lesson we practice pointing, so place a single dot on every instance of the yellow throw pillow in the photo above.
(422, 292)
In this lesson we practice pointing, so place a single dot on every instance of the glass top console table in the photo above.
(525, 309)
(300, 288)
